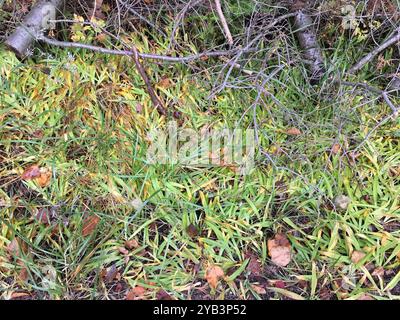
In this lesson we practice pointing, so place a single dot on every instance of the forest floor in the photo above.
(83, 215)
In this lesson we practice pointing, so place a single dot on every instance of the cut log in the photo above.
(307, 38)
(35, 23)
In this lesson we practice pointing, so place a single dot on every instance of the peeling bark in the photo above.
(307, 38)
(34, 24)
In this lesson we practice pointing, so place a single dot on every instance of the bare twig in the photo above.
(141, 17)
(382, 93)
(77, 45)
(223, 22)
(154, 99)
(179, 19)
(392, 40)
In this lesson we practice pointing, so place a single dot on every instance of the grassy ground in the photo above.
(83, 118)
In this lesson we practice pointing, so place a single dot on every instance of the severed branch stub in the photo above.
(307, 38)
(33, 26)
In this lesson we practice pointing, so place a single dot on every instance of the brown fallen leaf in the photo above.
(192, 231)
(165, 83)
(293, 131)
(213, 274)
(15, 251)
(19, 295)
(110, 274)
(163, 295)
(131, 244)
(13, 248)
(89, 225)
(31, 172)
(278, 284)
(23, 274)
(123, 251)
(101, 37)
(41, 175)
(258, 289)
(137, 293)
(336, 148)
(279, 250)
(44, 179)
(254, 266)
(378, 272)
(357, 256)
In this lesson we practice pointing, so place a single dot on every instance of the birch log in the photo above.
(307, 38)
(34, 24)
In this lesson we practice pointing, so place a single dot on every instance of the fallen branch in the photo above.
(392, 40)
(34, 25)
(77, 45)
(154, 99)
(307, 38)
(223, 22)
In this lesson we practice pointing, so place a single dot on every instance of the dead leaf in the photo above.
(13, 248)
(278, 284)
(123, 251)
(163, 295)
(293, 131)
(19, 295)
(279, 250)
(41, 175)
(101, 37)
(357, 256)
(336, 148)
(31, 172)
(137, 293)
(192, 231)
(258, 289)
(110, 274)
(213, 274)
(378, 272)
(131, 244)
(165, 83)
(44, 179)
(23, 274)
(16, 250)
(89, 225)
(254, 266)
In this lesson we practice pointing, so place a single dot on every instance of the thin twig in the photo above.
(392, 40)
(384, 94)
(77, 45)
(134, 12)
(154, 99)
(223, 22)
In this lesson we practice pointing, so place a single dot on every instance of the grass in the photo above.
(76, 115)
